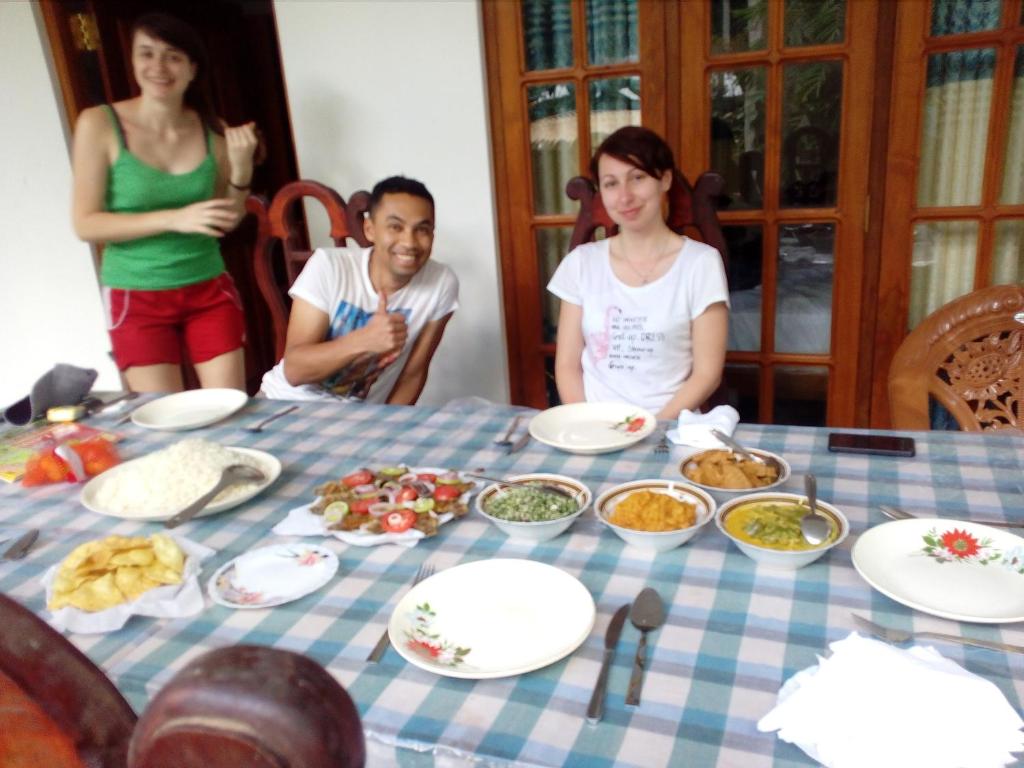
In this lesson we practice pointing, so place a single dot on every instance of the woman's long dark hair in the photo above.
(176, 32)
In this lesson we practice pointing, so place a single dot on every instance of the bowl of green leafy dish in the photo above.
(531, 509)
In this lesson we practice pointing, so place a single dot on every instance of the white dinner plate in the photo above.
(272, 575)
(191, 409)
(592, 427)
(270, 466)
(950, 568)
(492, 618)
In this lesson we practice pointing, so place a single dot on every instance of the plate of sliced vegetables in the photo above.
(392, 502)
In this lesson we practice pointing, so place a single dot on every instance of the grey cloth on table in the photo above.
(62, 385)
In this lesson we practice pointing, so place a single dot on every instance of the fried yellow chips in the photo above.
(103, 573)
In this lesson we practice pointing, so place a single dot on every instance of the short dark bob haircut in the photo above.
(640, 147)
(180, 35)
(399, 185)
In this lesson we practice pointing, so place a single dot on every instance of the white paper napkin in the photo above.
(301, 522)
(166, 602)
(870, 704)
(694, 428)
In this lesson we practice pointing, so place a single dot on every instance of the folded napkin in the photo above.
(694, 427)
(166, 602)
(870, 704)
(301, 522)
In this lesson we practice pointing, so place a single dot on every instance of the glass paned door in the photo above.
(778, 89)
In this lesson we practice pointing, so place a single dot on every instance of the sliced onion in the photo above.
(369, 489)
(389, 494)
(381, 508)
(422, 487)
(407, 478)
(450, 478)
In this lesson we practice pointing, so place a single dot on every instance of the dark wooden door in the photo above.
(90, 44)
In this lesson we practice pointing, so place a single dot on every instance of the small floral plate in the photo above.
(589, 428)
(272, 575)
(950, 568)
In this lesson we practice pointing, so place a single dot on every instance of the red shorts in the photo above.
(148, 327)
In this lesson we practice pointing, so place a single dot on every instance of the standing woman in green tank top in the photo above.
(158, 178)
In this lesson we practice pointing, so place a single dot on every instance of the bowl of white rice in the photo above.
(159, 485)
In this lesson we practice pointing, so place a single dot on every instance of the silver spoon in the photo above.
(736, 447)
(814, 527)
(647, 613)
(233, 474)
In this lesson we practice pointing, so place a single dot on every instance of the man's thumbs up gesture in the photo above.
(386, 332)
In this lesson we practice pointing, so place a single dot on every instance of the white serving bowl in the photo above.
(543, 530)
(782, 559)
(657, 541)
(780, 463)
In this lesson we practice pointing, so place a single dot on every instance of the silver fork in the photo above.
(902, 636)
(425, 572)
(283, 412)
(506, 442)
(662, 446)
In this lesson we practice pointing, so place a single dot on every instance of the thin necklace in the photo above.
(645, 277)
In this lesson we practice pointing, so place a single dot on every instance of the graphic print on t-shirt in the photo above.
(624, 340)
(356, 378)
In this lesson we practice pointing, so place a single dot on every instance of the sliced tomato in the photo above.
(406, 494)
(446, 493)
(398, 521)
(362, 506)
(362, 477)
(427, 477)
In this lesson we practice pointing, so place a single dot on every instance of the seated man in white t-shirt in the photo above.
(365, 322)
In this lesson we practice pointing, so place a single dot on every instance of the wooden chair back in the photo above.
(691, 210)
(280, 230)
(969, 356)
(235, 707)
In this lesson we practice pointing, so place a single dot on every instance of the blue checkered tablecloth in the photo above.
(734, 632)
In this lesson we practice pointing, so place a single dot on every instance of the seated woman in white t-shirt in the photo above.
(644, 316)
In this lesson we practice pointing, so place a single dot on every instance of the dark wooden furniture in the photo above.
(691, 210)
(969, 356)
(281, 230)
(241, 706)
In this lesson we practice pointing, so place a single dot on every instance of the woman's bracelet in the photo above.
(240, 188)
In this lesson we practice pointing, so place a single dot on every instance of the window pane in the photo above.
(554, 147)
(552, 246)
(1008, 254)
(954, 132)
(942, 265)
(801, 394)
(614, 102)
(744, 273)
(738, 25)
(814, 22)
(611, 31)
(956, 17)
(741, 388)
(811, 106)
(547, 34)
(803, 311)
(1013, 167)
(737, 134)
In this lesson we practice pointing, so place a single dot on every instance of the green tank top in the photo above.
(168, 259)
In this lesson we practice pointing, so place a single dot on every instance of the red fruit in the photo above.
(446, 493)
(362, 477)
(406, 494)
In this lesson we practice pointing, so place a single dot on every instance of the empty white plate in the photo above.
(272, 575)
(189, 410)
(492, 618)
(592, 427)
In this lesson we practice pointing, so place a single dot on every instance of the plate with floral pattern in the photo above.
(950, 568)
(492, 618)
(272, 575)
(592, 427)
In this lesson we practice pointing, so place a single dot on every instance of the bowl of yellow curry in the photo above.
(766, 528)
(655, 515)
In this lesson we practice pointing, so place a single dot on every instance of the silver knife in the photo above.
(20, 548)
(595, 710)
(519, 443)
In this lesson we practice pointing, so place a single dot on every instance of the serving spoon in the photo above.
(814, 527)
(736, 448)
(233, 474)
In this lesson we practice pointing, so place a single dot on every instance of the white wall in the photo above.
(48, 290)
(381, 88)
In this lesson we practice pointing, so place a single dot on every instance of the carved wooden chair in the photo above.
(281, 230)
(691, 210)
(969, 356)
(236, 707)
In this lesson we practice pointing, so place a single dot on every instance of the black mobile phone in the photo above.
(883, 445)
